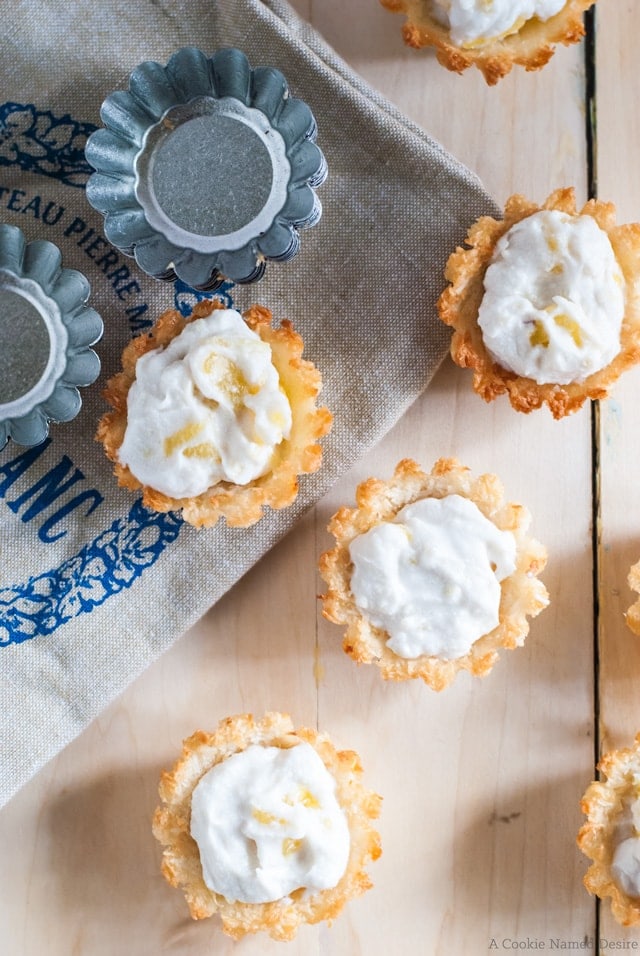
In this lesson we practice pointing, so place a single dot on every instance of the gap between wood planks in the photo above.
(591, 136)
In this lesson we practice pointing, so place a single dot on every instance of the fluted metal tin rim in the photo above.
(46, 330)
(206, 168)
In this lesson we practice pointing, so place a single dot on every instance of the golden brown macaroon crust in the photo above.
(241, 505)
(602, 804)
(459, 305)
(531, 46)
(181, 860)
(378, 501)
(632, 617)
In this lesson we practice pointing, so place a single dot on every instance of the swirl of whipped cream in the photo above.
(625, 866)
(267, 822)
(554, 300)
(625, 862)
(430, 578)
(207, 408)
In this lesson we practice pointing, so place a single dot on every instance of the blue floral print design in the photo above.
(104, 567)
(40, 142)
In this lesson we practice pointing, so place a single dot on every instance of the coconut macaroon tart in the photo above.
(611, 835)
(432, 573)
(632, 616)
(493, 35)
(266, 826)
(544, 304)
(215, 415)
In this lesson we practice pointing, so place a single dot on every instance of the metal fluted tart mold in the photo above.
(46, 330)
(206, 168)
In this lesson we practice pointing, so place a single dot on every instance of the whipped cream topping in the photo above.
(472, 22)
(267, 822)
(207, 408)
(553, 304)
(625, 865)
(431, 577)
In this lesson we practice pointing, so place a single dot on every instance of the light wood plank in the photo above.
(618, 22)
(518, 746)
(480, 769)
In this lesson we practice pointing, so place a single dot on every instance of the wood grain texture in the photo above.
(481, 783)
(618, 142)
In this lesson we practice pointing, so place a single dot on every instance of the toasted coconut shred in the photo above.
(607, 804)
(459, 306)
(531, 45)
(522, 595)
(299, 453)
(181, 863)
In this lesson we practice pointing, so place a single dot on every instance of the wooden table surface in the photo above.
(482, 782)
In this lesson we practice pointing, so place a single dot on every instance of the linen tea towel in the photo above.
(93, 586)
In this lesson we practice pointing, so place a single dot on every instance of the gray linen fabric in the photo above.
(92, 587)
